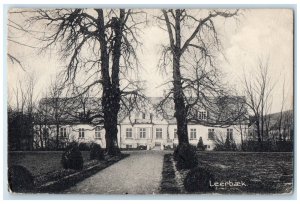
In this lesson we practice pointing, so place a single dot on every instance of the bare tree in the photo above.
(99, 44)
(288, 126)
(193, 44)
(280, 119)
(258, 89)
(42, 125)
(15, 31)
(21, 115)
(84, 107)
(57, 107)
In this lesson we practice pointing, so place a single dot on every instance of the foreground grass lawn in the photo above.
(243, 173)
(49, 175)
(42, 162)
(266, 172)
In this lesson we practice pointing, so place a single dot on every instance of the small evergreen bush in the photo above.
(20, 180)
(228, 145)
(200, 145)
(96, 152)
(84, 146)
(199, 179)
(72, 157)
(186, 157)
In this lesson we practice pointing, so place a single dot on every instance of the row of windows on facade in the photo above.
(193, 133)
(81, 132)
(142, 133)
(202, 115)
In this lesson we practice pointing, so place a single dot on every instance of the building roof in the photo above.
(221, 111)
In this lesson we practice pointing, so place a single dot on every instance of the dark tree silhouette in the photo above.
(258, 98)
(193, 43)
(21, 115)
(100, 49)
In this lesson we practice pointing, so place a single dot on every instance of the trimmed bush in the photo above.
(142, 147)
(168, 147)
(84, 146)
(20, 180)
(72, 157)
(96, 152)
(200, 145)
(199, 180)
(186, 157)
(228, 145)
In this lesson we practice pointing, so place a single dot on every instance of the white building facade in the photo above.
(162, 133)
(147, 130)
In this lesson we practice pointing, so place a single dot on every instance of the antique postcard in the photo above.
(150, 101)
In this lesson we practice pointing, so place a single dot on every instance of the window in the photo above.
(143, 116)
(128, 146)
(230, 134)
(128, 132)
(207, 146)
(45, 132)
(63, 132)
(202, 115)
(98, 132)
(175, 134)
(158, 133)
(211, 134)
(142, 132)
(81, 132)
(193, 133)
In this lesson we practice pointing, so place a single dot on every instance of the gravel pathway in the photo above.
(140, 173)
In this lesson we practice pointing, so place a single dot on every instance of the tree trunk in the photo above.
(111, 95)
(180, 108)
(257, 123)
(57, 135)
(111, 108)
(31, 132)
(41, 136)
(241, 129)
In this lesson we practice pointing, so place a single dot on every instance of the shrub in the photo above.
(142, 147)
(198, 180)
(84, 146)
(186, 157)
(96, 152)
(284, 146)
(200, 145)
(72, 157)
(20, 179)
(267, 146)
(228, 145)
(168, 147)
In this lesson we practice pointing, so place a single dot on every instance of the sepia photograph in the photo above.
(139, 101)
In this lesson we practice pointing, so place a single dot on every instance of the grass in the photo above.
(263, 173)
(49, 175)
(39, 163)
(168, 183)
(266, 172)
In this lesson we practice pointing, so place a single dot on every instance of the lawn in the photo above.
(41, 162)
(49, 175)
(265, 172)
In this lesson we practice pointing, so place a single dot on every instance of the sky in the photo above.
(258, 33)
